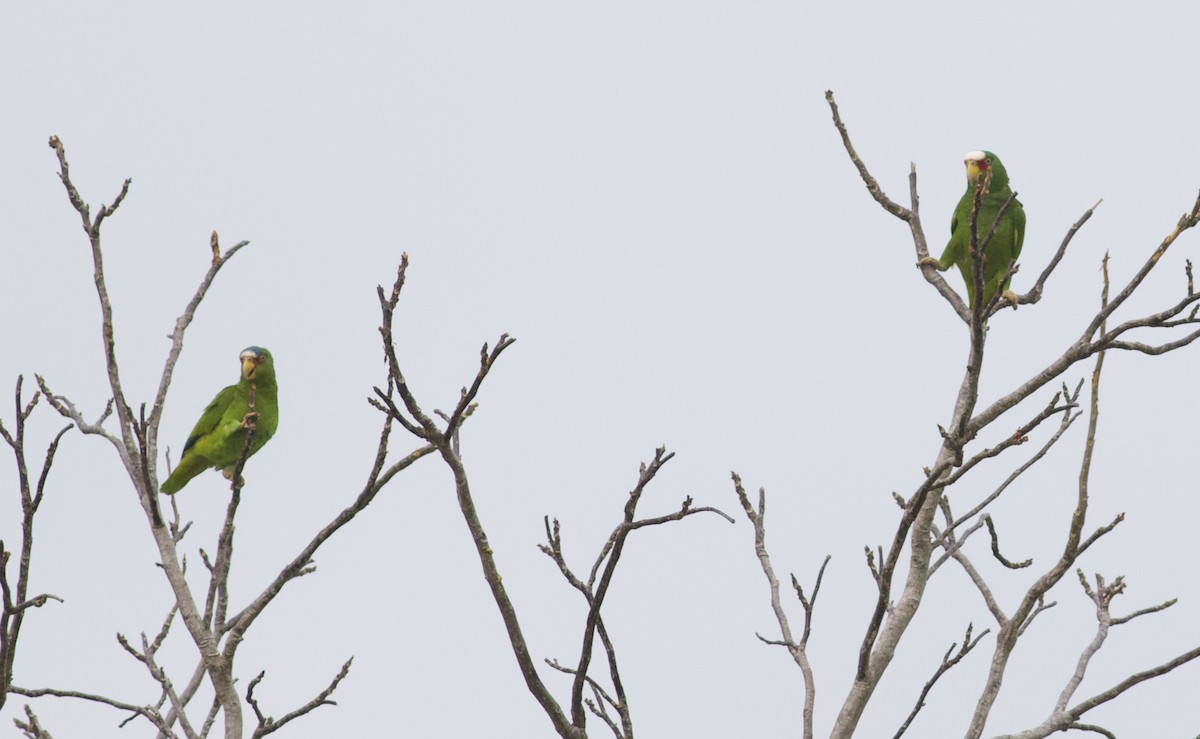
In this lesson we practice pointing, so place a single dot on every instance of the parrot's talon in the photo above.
(1011, 297)
(251, 416)
(929, 262)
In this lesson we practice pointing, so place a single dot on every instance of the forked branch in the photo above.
(417, 422)
(269, 725)
(796, 647)
(594, 591)
(1065, 716)
(15, 599)
(949, 660)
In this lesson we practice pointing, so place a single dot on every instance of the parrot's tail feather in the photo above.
(189, 467)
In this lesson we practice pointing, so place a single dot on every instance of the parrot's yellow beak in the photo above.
(249, 366)
(973, 169)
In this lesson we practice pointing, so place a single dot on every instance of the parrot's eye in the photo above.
(988, 160)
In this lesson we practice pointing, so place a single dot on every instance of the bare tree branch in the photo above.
(32, 728)
(1144, 612)
(1085, 347)
(607, 559)
(981, 585)
(144, 711)
(1041, 606)
(951, 542)
(647, 473)
(1021, 435)
(911, 217)
(991, 527)
(881, 638)
(1101, 597)
(146, 657)
(268, 725)
(1011, 629)
(872, 185)
(1063, 716)
(1137, 346)
(424, 428)
(14, 597)
(602, 699)
(1035, 292)
(798, 649)
(1066, 422)
(948, 662)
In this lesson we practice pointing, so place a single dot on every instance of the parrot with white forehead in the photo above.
(1005, 246)
(220, 435)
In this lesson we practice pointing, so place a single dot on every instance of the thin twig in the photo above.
(14, 597)
(425, 429)
(1035, 292)
(143, 711)
(268, 725)
(991, 527)
(873, 187)
(798, 649)
(32, 727)
(948, 662)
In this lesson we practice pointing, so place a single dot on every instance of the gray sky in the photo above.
(652, 199)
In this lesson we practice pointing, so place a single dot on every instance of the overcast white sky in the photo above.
(652, 199)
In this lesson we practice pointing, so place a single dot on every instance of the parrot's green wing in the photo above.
(211, 416)
(1004, 248)
(192, 462)
(956, 251)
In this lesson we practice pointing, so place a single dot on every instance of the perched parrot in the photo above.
(1005, 246)
(220, 434)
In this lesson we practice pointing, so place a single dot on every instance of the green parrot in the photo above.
(220, 434)
(1005, 246)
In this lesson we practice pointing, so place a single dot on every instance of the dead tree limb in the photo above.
(949, 660)
(15, 600)
(594, 591)
(796, 647)
(269, 725)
